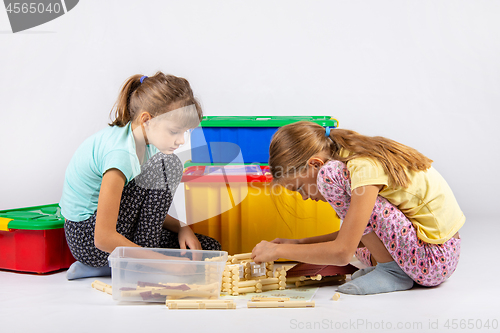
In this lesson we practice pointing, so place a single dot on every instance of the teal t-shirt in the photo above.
(111, 148)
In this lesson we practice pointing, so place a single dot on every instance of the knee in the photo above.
(160, 170)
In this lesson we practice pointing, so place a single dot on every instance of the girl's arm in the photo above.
(172, 224)
(334, 252)
(319, 239)
(187, 238)
(106, 238)
(308, 240)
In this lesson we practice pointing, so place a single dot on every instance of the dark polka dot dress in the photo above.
(143, 207)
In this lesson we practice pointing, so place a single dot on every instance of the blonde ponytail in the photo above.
(294, 144)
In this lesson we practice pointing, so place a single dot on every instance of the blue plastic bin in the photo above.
(241, 139)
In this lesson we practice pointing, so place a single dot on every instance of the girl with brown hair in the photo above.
(400, 217)
(120, 183)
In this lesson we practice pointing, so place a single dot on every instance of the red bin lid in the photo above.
(227, 173)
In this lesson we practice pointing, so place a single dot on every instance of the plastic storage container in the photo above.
(32, 240)
(152, 275)
(234, 205)
(241, 139)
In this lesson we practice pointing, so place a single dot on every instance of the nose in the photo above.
(179, 140)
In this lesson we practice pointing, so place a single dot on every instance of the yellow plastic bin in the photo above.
(234, 204)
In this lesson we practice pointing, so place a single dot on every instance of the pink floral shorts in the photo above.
(427, 264)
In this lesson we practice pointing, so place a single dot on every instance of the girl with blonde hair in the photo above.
(400, 217)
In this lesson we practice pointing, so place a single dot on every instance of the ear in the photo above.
(315, 162)
(144, 117)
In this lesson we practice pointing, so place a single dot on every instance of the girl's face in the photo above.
(166, 134)
(305, 184)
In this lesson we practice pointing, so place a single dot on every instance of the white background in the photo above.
(425, 73)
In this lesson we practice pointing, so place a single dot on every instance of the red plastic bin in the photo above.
(32, 240)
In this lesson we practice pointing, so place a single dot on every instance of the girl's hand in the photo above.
(265, 251)
(187, 239)
(285, 241)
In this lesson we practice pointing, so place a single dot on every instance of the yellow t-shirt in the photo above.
(428, 202)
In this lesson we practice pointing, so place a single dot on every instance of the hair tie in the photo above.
(327, 131)
(143, 77)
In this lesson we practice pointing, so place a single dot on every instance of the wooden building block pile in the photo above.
(242, 275)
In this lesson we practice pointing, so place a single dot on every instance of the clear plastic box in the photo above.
(152, 275)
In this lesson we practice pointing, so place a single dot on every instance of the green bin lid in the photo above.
(34, 218)
(264, 121)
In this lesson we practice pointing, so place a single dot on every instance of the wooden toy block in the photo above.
(99, 283)
(295, 279)
(280, 272)
(336, 278)
(131, 293)
(214, 259)
(249, 283)
(182, 294)
(243, 273)
(210, 287)
(287, 267)
(101, 286)
(171, 291)
(281, 304)
(243, 256)
(246, 286)
(269, 281)
(237, 290)
(274, 286)
(270, 299)
(200, 304)
(336, 297)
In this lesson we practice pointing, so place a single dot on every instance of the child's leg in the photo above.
(91, 261)
(144, 204)
(155, 185)
(427, 264)
(143, 207)
(414, 260)
(417, 259)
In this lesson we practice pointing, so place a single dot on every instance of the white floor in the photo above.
(468, 301)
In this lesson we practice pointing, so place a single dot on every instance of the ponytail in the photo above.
(156, 94)
(121, 107)
(294, 144)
